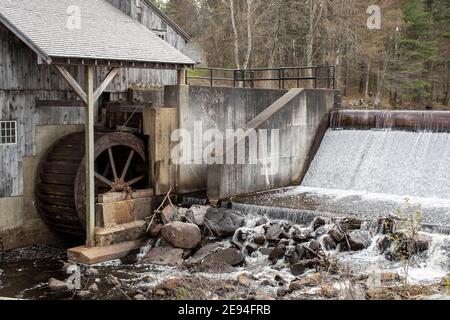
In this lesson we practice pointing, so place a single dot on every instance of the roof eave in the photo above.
(77, 61)
(11, 27)
(168, 20)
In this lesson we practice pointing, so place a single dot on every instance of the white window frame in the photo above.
(161, 33)
(12, 135)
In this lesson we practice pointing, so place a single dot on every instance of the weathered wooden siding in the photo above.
(22, 81)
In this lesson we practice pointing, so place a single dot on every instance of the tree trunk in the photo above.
(236, 35)
(249, 33)
(366, 90)
(447, 94)
(347, 78)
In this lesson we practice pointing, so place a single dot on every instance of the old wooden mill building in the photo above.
(76, 69)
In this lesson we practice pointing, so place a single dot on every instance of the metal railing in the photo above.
(284, 77)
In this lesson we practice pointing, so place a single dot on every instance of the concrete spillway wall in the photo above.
(300, 121)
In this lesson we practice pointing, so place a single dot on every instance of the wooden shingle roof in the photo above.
(104, 33)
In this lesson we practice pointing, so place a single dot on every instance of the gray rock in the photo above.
(140, 297)
(336, 235)
(92, 272)
(93, 288)
(57, 285)
(274, 233)
(277, 254)
(301, 236)
(83, 294)
(259, 240)
(170, 214)
(266, 251)
(298, 269)
(329, 243)
(301, 267)
(196, 214)
(251, 247)
(182, 235)
(359, 240)
(204, 252)
(318, 222)
(167, 256)
(223, 222)
(262, 221)
(314, 246)
(231, 257)
(350, 224)
(155, 231)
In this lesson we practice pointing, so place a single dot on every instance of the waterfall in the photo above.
(404, 163)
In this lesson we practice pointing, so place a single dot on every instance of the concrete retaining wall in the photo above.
(299, 122)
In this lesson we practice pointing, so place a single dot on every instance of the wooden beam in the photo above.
(73, 83)
(119, 64)
(60, 103)
(90, 159)
(109, 77)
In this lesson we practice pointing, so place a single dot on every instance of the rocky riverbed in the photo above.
(216, 253)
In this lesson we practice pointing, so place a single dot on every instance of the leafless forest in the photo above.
(404, 62)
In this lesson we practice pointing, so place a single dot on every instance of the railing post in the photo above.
(280, 84)
(298, 78)
(211, 74)
(315, 78)
(334, 78)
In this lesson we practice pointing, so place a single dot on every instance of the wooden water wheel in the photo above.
(60, 192)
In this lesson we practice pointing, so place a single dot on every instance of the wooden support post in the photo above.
(90, 159)
(181, 77)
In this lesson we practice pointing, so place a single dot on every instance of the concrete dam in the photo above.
(371, 164)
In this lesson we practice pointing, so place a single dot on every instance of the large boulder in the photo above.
(278, 253)
(182, 235)
(275, 233)
(359, 240)
(167, 256)
(223, 222)
(225, 257)
(204, 252)
(350, 224)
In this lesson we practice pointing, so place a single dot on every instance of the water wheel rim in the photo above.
(104, 144)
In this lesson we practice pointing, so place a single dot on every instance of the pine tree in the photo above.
(418, 52)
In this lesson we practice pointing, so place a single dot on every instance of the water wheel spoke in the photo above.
(113, 164)
(127, 165)
(108, 166)
(103, 179)
(136, 180)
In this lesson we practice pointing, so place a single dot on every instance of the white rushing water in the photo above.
(409, 164)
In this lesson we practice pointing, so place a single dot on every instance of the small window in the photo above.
(161, 34)
(8, 132)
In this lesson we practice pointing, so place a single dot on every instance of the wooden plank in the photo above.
(123, 196)
(105, 83)
(90, 256)
(59, 103)
(121, 212)
(126, 107)
(74, 84)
